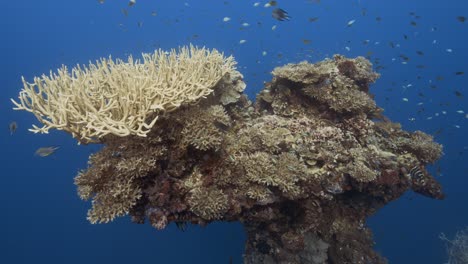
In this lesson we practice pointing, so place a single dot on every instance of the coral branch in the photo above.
(122, 98)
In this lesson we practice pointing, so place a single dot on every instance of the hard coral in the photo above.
(122, 98)
(421, 145)
(205, 132)
(302, 168)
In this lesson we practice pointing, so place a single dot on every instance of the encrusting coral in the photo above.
(302, 167)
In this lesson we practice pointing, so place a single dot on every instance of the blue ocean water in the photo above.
(417, 46)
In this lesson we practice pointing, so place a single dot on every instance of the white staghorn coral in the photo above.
(122, 98)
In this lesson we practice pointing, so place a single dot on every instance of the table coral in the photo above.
(302, 167)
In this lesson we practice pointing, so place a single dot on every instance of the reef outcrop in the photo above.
(302, 167)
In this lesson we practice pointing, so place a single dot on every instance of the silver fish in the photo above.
(45, 151)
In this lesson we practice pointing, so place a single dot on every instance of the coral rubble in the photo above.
(302, 167)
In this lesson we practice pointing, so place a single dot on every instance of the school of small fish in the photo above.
(278, 15)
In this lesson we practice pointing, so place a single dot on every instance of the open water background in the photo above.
(42, 220)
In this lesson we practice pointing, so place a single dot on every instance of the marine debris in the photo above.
(302, 167)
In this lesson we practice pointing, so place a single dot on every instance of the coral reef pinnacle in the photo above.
(302, 167)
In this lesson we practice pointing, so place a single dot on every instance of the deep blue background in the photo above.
(42, 219)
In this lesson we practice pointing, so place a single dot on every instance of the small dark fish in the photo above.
(461, 19)
(439, 78)
(420, 53)
(13, 126)
(154, 13)
(116, 154)
(221, 126)
(313, 19)
(124, 11)
(182, 226)
(280, 14)
(458, 94)
(306, 41)
(45, 151)
(140, 24)
(363, 12)
(378, 19)
(405, 37)
(272, 3)
(413, 23)
(438, 132)
(459, 73)
(131, 2)
(404, 57)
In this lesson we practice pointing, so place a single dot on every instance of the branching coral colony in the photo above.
(302, 167)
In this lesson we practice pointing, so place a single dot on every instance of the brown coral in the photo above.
(302, 167)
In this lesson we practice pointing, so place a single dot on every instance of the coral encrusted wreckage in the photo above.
(302, 167)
